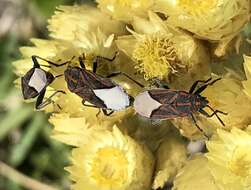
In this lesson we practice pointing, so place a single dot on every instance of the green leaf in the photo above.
(21, 150)
(14, 119)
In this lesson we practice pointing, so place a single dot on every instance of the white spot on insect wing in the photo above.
(114, 98)
(38, 80)
(144, 104)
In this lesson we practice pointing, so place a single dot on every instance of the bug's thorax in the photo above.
(199, 102)
(71, 73)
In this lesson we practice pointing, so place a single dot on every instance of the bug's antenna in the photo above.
(202, 88)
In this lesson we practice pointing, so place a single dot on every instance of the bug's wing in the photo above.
(88, 95)
(96, 81)
(167, 112)
(28, 92)
(77, 83)
(168, 99)
(164, 96)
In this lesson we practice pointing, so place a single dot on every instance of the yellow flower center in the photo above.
(156, 56)
(109, 167)
(197, 7)
(240, 164)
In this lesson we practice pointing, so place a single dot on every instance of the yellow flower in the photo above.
(71, 130)
(188, 129)
(171, 156)
(124, 10)
(195, 175)
(213, 20)
(87, 28)
(69, 21)
(163, 52)
(227, 95)
(111, 160)
(230, 159)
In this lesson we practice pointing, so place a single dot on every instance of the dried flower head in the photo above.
(213, 20)
(111, 160)
(195, 175)
(124, 10)
(69, 21)
(227, 95)
(171, 156)
(162, 51)
(230, 159)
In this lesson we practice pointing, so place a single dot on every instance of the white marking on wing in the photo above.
(144, 104)
(114, 98)
(38, 80)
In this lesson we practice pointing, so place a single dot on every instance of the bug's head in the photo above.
(201, 101)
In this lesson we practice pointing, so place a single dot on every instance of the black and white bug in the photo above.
(165, 103)
(101, 92)
(35, 81)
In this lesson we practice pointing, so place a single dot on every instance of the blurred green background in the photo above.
(26, 149)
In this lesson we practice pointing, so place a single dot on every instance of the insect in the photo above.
(165, 103)
(35, 81)
(100, 91)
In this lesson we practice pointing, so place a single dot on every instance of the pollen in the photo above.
(156, 56)
(109, 167)
(197, 7)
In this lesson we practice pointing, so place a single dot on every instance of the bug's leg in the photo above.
(41, 104)
(35, 57)
(94, 65)
(198, 127)
(81, 62)
(214, 113)
(58, 76)
(124, 74)
(97, 59)
(202, 88)
(40, 99)
(35, 62)
(106, 113)
(99, 111)
(88, 105)
(197, 82)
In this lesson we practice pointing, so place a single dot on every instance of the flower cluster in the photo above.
(155, 42)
